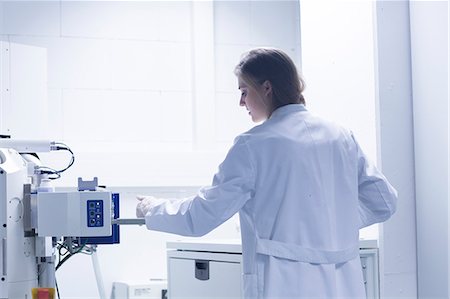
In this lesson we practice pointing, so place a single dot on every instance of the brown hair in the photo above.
(273, 65)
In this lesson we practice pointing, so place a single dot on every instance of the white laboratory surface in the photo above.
(212, 268)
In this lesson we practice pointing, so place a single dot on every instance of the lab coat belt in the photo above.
(303, 254)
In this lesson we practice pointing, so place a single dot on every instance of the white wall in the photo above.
(124, 82)
(430, 66)
(396, 147)
(3, 68)
(26, 64)
(412, 71)
(119, 74)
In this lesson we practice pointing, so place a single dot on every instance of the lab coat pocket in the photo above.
(250, 286)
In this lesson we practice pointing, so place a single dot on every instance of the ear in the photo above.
(267, 87)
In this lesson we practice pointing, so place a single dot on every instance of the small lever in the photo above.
(128, 221)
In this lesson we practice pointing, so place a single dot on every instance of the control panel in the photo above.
(94, 213)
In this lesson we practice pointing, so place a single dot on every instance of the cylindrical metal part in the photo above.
(28, 146)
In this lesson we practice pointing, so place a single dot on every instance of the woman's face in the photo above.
(253, 100)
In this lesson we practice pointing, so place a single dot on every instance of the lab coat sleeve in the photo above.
(377, 197)
(231, 188)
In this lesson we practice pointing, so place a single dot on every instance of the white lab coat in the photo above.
(303, 189)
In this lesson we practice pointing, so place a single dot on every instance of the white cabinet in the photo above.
(212, 269)
(369, 264)
(204, 270)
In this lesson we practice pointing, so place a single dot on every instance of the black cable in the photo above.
(62, 146)
(61, 262)
(53, 173)
(42, 268)
(62, 246)
(57, 289)
(68, 255)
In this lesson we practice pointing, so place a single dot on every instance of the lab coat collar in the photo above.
(291, 108)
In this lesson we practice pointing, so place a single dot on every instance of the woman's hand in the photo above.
(145, 204)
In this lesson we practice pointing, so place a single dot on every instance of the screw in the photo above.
(4, 225)
(2, 172)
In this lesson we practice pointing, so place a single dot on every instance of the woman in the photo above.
(302, 186)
